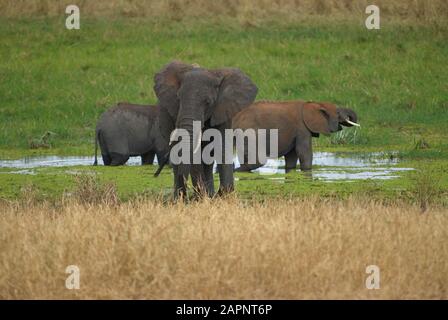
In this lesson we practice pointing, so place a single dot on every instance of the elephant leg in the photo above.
(245, 166)
(305, 152)
(118, 159)
(198, 180)
(106, 159)
(209, 183)
(161, 158)
(226, 184)
(225, 164)
(291, 160)
(180, 187)
(148, 158)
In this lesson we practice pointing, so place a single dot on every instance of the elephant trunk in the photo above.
(194, 132)
(347, 117)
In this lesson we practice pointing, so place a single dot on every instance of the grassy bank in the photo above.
(426, 184)
(57, 80)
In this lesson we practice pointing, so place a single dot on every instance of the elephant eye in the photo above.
(324, 112)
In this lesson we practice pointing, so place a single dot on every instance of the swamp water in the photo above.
(327, 166)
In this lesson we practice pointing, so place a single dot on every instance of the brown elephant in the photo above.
(297, 122)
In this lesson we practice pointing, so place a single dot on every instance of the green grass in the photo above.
(137, 181)
(53, 79)
(53, 183)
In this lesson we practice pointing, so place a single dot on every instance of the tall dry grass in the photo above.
(244, 10)
(225, 249)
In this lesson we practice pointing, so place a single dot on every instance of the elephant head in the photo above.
(213, 94)
(320, 117)
(190, 93)
(347, 117)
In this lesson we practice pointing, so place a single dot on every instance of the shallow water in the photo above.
(56, 161)
(327, 166)
(330, 166)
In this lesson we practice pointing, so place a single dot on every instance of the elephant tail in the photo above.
(162, 164)
(97, 134)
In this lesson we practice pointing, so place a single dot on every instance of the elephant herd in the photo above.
(216, 99)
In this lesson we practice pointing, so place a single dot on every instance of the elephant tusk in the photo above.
(198, 144)
(352, 123)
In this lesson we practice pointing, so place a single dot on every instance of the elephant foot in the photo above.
(180, 196)
(107, 160)
(308, 173)
(225, 191)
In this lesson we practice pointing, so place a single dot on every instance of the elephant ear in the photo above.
(315, 117)
(166, 84)
(236, 91)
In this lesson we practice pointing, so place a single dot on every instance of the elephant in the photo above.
(188, 93)
(127, 130)
(297, 122)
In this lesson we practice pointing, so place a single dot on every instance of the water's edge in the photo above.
(328, 166)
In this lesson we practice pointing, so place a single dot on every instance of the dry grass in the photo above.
(89, 190)
(244, 10)
(295, 249)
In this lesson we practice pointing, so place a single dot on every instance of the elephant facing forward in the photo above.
(297, 122)
(127, 130)
(187, 94)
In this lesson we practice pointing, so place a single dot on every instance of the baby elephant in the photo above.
(297, 122)
(127, 130)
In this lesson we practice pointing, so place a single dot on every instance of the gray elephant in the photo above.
(189, 93)
(297, 122)
(127, 130)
